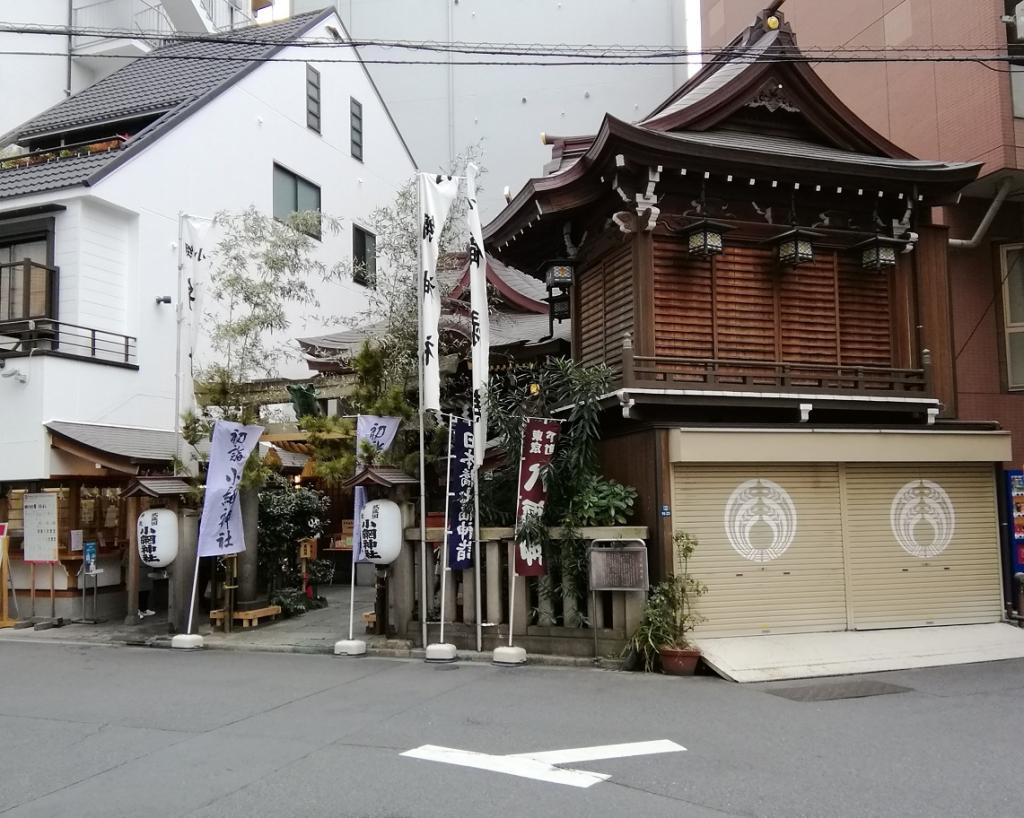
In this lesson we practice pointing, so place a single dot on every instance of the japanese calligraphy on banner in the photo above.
(540, 436)
(41, 527)
(458, 520)
(436, 194)
(195, 262)
(220, 527)
(380, 432)
(479, 316)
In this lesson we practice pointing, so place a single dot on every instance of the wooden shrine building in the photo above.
(759, 270)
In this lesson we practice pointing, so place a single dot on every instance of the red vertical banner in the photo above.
(540, 436)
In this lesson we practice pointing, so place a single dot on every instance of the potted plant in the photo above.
(660, 638)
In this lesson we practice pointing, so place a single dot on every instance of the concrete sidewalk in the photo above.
(312, 632)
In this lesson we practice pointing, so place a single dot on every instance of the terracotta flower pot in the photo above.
(679, 661)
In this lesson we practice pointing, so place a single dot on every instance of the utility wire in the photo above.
(590, 50)
(985, 62)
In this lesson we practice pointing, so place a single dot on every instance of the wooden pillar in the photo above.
(643, 292)
(468, 595)
(495, 610)
(132, 562)
(931, 261)
(519, 598)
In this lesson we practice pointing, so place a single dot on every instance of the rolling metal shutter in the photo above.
(800, 590)
(941, 565)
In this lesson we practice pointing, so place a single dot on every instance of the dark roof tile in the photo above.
(54, 175)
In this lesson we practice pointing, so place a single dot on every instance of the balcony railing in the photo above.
(28, 290)
(668, 372)
(47, 336)
(107, 19)
(227, 14)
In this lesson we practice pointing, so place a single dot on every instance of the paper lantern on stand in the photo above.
(158, 537)
(381, 532)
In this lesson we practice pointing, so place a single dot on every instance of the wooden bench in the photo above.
(249, 619)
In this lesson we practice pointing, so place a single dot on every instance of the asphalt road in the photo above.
(100, 731)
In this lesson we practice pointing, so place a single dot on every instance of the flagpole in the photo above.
(423, 457)
(447, 523)
(352, 596)
(477, 556)
(179, 315)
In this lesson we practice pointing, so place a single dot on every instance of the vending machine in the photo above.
(1015, 514)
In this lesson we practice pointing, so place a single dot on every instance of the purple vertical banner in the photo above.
(458, 523)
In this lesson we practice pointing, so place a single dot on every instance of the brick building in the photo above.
(955, 111)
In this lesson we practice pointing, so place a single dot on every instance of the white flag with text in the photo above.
(436, 194)
(480, 322)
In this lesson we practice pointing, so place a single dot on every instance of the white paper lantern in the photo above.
(158, 537)
(380, 530)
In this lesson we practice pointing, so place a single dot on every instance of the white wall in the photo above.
(32, 83)
(441, 110)
(116, 241)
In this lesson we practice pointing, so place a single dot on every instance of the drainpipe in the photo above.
(71, 20)
(986, 223)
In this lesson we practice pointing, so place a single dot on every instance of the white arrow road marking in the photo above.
(540, 766)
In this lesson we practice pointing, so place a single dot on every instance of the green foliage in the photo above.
(577, 493)
(668, 615)
(287, 515)
(262, 267)
(601, 502)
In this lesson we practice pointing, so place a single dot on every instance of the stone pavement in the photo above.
(313, 632)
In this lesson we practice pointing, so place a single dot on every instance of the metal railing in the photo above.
(110, 19)
(28, 290)
(51, 337)
(227, 14)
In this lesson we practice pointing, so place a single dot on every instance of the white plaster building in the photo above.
(446, 107)
(94, 208)
(39, 70)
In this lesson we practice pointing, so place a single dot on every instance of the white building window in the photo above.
(364, 257)
(1013, 313)
(356, 110)
(293, 194)
(312, 98)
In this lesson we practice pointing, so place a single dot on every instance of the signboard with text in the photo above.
(540, 436)
(459, 529)
(41, 527)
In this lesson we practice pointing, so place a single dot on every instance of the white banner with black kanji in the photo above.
(436, 194)
(480, 323)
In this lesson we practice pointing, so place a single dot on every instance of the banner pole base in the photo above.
(440, 652)
(509, 655)
(350, 647)
(187, 641)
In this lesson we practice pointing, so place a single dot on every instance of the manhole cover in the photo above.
(836, 690)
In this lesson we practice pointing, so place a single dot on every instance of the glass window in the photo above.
(13, 280)
(357, 129)
(293, 194)
(1013, 313)
(364, 257)
(313, 98)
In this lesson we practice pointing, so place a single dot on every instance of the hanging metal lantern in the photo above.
(879, 252)
(705, 238)
(795, 247)
(558, 273)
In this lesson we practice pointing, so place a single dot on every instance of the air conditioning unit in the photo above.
(1017, 21)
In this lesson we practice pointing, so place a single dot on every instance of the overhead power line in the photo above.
(515, 54)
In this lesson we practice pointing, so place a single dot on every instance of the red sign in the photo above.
(539, 439)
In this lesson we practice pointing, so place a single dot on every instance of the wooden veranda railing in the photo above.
(672, 372)
(546, 620)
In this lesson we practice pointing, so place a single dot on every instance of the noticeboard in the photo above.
(618, 568)
(40, 527)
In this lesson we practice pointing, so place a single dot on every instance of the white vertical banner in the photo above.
(480, 322)
(436, 194)
(196, 251)
(220, 527)
(380, 432)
